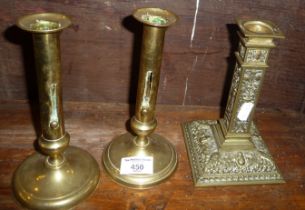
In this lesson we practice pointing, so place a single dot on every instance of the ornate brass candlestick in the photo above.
(144, 143)
(66, 175)
(230, 151)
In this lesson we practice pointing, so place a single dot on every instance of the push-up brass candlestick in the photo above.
(230, 151)
(160, 155)
(66, 175)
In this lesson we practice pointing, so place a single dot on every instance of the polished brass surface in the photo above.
(63, 176)
(46, 187)
(143, 143)
(230, 151)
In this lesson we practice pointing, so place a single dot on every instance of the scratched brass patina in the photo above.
(142, 142)
(230, 151)
(60, 176)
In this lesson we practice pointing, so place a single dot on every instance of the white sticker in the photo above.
(245, 111)
(137, 165)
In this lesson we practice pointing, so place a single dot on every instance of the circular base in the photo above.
(163, 153)
(37, 186)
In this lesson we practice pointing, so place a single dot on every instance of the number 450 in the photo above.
(137, 167)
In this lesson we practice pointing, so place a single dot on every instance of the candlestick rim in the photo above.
(169, 17)
(259, 28)
(48, 22)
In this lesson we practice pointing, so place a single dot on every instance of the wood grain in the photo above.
(93, 125)
(100, 53)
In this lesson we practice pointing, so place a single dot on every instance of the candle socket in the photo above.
(230, 151)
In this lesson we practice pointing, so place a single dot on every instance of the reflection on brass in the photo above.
(143, 143)
(63, 176)
(230, 151)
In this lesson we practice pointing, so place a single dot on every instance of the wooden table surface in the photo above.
(93, 125)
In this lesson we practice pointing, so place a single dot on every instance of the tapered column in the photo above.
(230, 151)
(256, 41)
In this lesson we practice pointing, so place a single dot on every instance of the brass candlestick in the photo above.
(144, 143)
(66, 175)
(230, 151)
